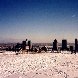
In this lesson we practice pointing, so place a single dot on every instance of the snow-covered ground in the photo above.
(42, 65)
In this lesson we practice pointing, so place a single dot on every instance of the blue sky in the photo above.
(38, 20)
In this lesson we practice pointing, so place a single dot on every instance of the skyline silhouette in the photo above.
(27, 46)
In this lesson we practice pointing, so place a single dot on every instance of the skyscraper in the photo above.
(64, 44)
(23, 45)
(76, 45)
(55, 45)
(29, 44)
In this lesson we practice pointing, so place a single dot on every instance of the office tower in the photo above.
(29, 44)
(55, 45)
(26, 43)
(64, 44)
(23, 45)
(76, 45)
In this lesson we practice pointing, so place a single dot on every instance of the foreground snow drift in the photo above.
(44, 65)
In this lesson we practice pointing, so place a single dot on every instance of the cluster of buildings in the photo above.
(64, 46)
(28, 46)
(25, 45)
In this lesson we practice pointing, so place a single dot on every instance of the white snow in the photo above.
(42, 65)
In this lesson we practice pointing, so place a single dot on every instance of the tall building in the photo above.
(76, 45)
(26, 42)
(64, 44)
(55, 45)
(23, 45)
(29, 44)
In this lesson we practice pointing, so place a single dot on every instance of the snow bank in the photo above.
(44, 65)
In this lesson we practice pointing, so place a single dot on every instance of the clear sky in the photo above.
(38, 20)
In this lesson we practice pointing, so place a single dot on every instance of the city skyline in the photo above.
(38, 20)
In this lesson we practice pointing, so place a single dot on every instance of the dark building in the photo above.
(76, 45)
(44, 49)
(64, 44)
(55, 45)
(29, 44)
(26, 41)
(23, 45)
(18, 47)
